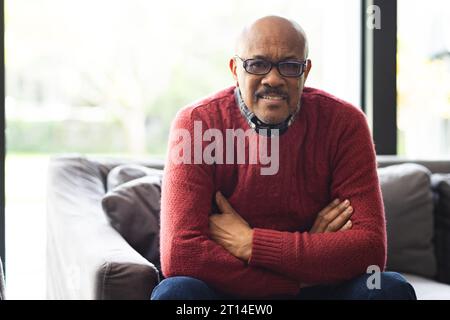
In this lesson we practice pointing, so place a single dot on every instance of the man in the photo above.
(310, 228)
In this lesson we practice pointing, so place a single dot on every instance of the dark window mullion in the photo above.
(380, 75)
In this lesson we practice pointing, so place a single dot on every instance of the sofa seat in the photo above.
(428, 289)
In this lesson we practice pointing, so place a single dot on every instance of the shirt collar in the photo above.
(259, 126)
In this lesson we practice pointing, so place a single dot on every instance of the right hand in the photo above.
(334, 217)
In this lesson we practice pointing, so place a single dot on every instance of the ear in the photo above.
(308, 68)
(233, 68)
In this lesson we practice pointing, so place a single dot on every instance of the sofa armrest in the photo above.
(86, 257)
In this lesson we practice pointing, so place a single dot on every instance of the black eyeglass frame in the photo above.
(272, 64)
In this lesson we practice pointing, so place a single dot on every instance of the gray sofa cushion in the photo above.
(127, 172)
(133, 209)
(408, 202)
(441, 186)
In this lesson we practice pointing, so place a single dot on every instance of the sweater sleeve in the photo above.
(186, 249)
(332, 257)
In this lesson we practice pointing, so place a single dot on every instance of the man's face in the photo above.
(271, 97)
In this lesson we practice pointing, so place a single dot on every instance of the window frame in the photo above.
(379, 75)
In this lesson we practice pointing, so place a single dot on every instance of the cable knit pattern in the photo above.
(327, 153)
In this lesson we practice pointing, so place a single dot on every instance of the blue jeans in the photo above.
(392, 287)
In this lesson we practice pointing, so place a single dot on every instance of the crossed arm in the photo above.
(228, 229)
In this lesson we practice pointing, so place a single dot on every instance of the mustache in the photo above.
(271, 91)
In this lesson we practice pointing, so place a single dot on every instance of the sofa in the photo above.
(103, 218)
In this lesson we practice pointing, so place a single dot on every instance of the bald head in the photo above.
(274, 31)
(275, 95)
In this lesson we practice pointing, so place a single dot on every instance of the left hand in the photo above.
(231, 231)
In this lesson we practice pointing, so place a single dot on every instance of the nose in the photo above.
(273, 78)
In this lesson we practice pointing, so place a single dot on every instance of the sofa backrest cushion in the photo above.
(441, 186)
(408, 202)
(127, 172)
(133, 209)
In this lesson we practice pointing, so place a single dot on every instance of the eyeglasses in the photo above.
(285, 68)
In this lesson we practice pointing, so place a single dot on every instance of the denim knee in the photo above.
(182, 288)
(393, 286)
(380, 286)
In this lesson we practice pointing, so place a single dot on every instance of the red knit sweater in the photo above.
(327, 153)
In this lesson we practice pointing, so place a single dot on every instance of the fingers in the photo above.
(318, 226)
(328, 208)
(332, 204)
(333, 217)
(328, 217)
(223, 204)
(336, 211)
(341, 220)
(347, 226)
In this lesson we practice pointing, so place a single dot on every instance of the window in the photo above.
(423, 78)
